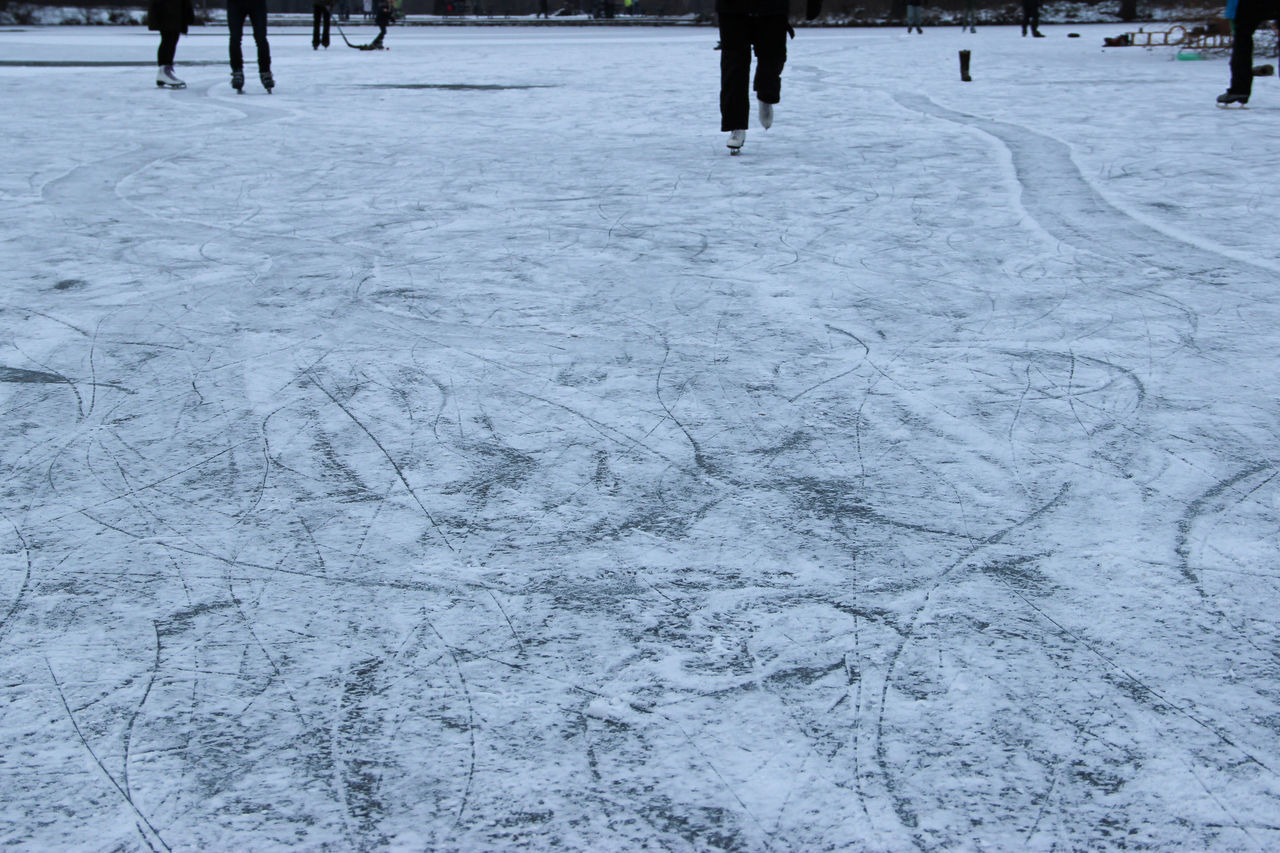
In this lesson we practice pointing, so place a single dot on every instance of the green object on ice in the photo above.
(1190, 55)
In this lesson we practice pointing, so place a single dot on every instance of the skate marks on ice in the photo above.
(435, 529)
(1059, 197)
(459, 87)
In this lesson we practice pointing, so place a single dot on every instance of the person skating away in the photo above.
(321, 15)
(1245, 16)
(747, 25)
(969, 17)
(1031, 18)
(915, 16)
(170, 18)
(256, 12)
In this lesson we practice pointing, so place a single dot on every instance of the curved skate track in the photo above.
(456, 450)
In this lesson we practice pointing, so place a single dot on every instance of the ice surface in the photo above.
(458, 450)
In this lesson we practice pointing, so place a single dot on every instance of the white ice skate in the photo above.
(766, 115)
(166, 79)
(736, 140)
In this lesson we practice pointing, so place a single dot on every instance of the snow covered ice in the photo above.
(458, 450)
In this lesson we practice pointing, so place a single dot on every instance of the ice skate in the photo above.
(1226, 99)
(268, 82)
(237, 81)
(166, 79)
(737, 138)
(766, 115)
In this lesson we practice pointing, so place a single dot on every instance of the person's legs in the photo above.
(735, 71)
(769, 36)
(316, 12)
(1242, 53)
(258, 18)
(324, 33)
(235, 25)
(168, 47)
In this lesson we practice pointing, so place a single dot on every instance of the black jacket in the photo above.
(168, 16)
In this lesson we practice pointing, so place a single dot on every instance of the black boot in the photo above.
(964, 67)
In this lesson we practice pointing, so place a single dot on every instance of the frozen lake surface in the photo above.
(458, 450)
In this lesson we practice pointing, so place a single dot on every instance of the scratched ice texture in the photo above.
(458, 450)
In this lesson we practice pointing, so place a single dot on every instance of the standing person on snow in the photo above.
(762, 26)
(915, 16)
(383, 18)
(321, 15)
(1031, 18)
(1245, 16)
(256, 11)
(170, 18)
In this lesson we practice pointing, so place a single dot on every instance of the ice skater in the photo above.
(915, 16)
(1031, 18)
(969, 17)
(747, 25)
(170, 18)
(382, 20)
(321, 16)
(1245, 16)
(256, 11)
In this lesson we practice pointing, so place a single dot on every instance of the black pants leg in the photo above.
(770, 42)
(739, 35)
(735, 70)
(320, 17)
(1247, 21)
(236, 11)
(168, 47)
(258, 18)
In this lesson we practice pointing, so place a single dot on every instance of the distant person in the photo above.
(543, 10)
(1245, 16)
(915, 16)
(969, 17)
(256, 11)
(368, 10)
(747, 25)
(1031, 18)
(170, 18)
(382, 19)
(321, 15)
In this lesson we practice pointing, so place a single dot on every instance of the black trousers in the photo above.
(1248, 17)
(256, 11)
(168, 47)
(320, 18)
(739, 35)
(1030, 15)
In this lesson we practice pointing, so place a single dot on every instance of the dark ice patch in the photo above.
(17, 374)
(71, 284)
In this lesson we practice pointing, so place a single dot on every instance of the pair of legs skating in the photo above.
(256, 12)
(1031, 18)
(915, 16)
(740, 35)
(320, 18)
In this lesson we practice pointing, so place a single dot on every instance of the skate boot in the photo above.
(268, 82)
(237, 81)
(166, 79)
(737, 138)
(1228, 98)
(766, 115)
